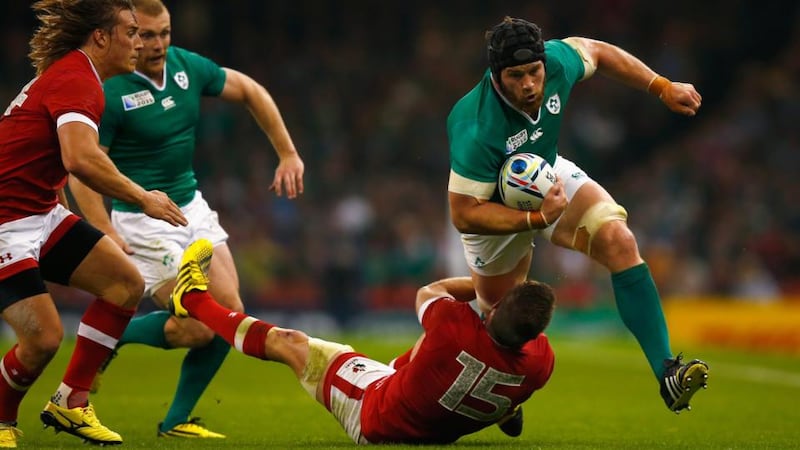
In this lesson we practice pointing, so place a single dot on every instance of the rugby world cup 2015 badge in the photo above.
(516, 141)
(137, 100)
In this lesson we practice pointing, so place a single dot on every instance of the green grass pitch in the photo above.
(602, 395)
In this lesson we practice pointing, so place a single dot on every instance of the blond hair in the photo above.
(151, 8)
(67, 24)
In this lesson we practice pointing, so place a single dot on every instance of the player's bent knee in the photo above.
(127, 291)
(621, 238)
(188, 333)
(616, 248)
(48, 345)
(136, 292)
(201, 337)
(320, 354)
(594, 218)
(36, 351)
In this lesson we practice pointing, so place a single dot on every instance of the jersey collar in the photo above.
(91, 64)
(155, 86)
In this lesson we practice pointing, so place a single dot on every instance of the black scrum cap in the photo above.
(513, 42)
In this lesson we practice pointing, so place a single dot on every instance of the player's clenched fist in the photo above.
(681, 98)
(555, 202)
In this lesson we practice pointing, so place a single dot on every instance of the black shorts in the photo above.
(56, 266)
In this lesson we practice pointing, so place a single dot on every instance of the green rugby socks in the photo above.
(639, 308)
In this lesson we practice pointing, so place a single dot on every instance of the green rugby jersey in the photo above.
(484, 130)
(150, 130)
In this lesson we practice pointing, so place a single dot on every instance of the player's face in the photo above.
(155, 32)
(523, 85)
(125, 44)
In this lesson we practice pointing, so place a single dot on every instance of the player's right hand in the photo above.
(555, 202)
(681, 98)
(158, 205)
(289, 177)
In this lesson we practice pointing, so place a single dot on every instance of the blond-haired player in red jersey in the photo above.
(48, 131)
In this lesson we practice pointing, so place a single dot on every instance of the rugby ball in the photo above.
(524, 181)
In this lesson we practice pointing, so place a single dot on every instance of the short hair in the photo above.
(513, 42)
(149, 8)
(67, 24)
(522, 314)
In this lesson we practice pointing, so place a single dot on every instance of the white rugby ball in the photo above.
(524, 181)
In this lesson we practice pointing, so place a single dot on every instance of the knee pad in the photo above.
(595, 217)
(320, 354)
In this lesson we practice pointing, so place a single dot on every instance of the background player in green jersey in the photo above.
(148, 127)
(516, 108)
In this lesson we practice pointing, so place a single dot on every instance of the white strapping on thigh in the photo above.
(320, 354)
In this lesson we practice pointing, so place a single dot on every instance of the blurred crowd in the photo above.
(365, 88)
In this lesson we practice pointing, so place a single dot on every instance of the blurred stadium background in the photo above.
(365, 88)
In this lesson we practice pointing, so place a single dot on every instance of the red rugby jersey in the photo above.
(31, 169)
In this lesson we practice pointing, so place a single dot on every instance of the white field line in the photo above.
(751, 373)
(763, 375)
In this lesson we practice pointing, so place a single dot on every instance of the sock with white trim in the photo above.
(245, 333)
(101, 326)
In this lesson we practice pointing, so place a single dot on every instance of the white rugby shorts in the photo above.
(345, 382)
(22, 240)
(490, 255)
(158, 246)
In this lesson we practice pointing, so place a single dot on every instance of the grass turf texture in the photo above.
(601, 395)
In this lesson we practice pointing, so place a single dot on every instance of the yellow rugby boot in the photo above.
(80, 422)
(192, 274)
(9, 433)
(194, 428)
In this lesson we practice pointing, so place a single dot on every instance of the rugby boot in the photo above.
(194, 428)
(192, 274)
(81, 422)
(9, 433)
(681, 381)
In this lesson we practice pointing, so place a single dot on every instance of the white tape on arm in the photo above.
(589, 66)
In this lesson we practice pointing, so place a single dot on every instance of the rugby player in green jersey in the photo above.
(148, 129)
(517, 108)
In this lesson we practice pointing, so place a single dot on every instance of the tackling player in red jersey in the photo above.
(464, 374)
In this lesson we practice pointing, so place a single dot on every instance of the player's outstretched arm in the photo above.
(243, 89)
(93, 209)
(459, 288)
(83, 158)
(618, 64)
